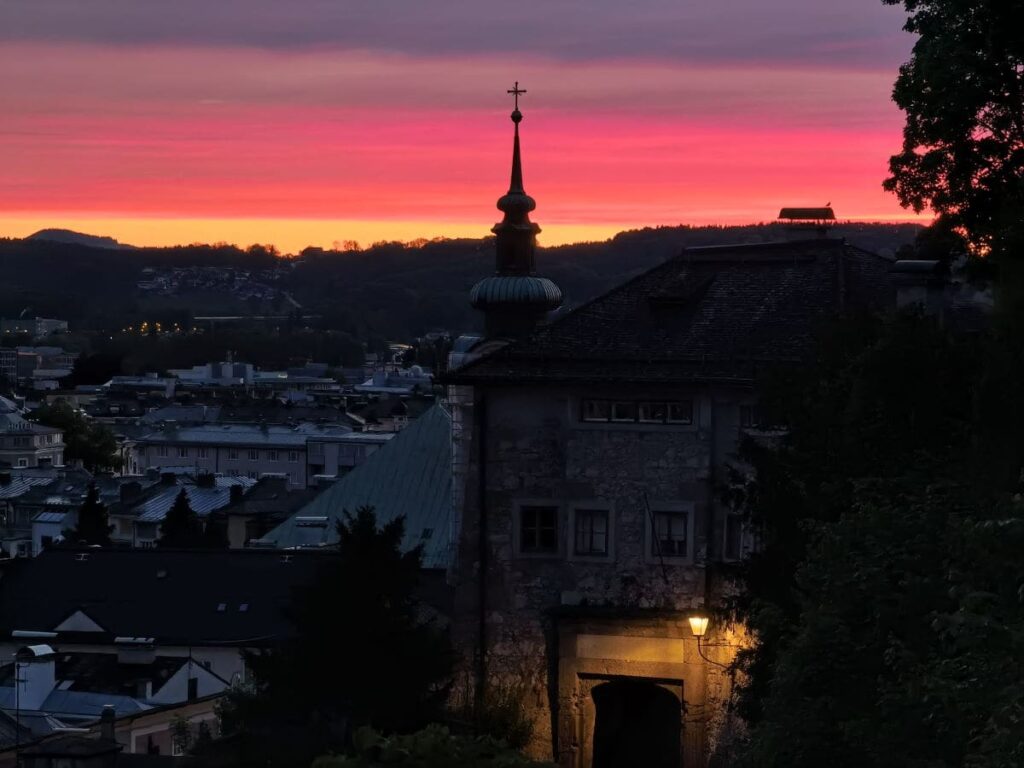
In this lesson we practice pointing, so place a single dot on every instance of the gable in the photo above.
(78, 621)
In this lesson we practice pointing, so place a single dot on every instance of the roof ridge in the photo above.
(512, 346)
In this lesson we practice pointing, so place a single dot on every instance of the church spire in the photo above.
(515, 300)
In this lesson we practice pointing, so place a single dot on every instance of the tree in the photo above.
(363, 652)
(93, 523)
(181, 528)
(432, 747)
(885, 596)
(963, 95)
(86, 441)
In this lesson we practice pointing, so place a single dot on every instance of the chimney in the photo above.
(5, 478)
(237, 492)
(206, 480)
(35, 675)
(107, 723)
(920, 282)
(168, 478)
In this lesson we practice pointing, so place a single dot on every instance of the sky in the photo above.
(311, 122)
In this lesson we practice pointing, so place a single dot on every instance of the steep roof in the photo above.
(713, 313)
(410, 475)
(212, 597)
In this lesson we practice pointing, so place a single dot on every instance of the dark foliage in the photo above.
(885, 638)
(86, 441)
(963, 94)
(93, 525)
(363, 652)
(181, 528)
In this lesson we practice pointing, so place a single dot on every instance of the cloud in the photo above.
(827, 32)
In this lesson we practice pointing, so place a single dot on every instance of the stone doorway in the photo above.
(637, 723)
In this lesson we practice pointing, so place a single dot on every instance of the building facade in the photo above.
(252, 450)
(24, 444)
(587, 457)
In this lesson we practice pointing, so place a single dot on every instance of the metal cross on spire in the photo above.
(516, 91)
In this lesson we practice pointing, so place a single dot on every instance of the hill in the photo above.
(70, 237)
(394, 290)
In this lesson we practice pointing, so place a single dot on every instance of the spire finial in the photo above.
(516, 91)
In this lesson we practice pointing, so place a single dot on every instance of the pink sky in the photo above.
(277, 131)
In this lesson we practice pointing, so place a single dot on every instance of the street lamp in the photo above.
(699, 628)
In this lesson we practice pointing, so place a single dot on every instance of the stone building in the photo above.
(586, 454)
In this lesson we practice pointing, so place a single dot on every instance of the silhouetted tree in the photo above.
(363, 653)
(181, 528)
(93, 525)
(963, 95)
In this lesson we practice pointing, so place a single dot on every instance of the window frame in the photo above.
(517, 529)
(588, 506)
(657, 507)
(735, 519)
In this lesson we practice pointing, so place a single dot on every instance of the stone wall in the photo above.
(537, 450)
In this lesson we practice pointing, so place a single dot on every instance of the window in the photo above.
(623, 411)
(538, 530)
(596, 410)
(670, 534)
(252, 474)
(733, 549)
(254, 454)
(293, 456)
(193, 688)
(161, 451)
(233, 454)
(22, 463)
(680, 412)
(591, 534)
(652, 413)
(182, 453)
(203, 453)
(272, 455)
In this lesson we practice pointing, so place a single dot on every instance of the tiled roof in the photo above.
(410, 475)
(202, 500)
(710, 313)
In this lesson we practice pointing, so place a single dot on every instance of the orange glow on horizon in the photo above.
(290, 236)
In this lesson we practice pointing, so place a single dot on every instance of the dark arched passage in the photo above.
(637, 724)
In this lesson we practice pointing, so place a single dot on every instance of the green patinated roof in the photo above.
(409, 475)
(513, 290)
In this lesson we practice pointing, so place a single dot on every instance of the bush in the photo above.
(432, 747)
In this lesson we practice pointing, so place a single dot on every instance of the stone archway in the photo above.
(637, 723)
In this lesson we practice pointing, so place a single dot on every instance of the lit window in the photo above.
(221, 607)
(538, 529)
(623, 411)
(591, 535)
(680, 412)
(669, 539)
(652, 413)
(596, 410)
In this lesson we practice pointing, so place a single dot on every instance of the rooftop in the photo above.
(197, 597)
(713, 313)
(409, 476)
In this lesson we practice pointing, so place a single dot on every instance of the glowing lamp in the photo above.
(699, 625)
